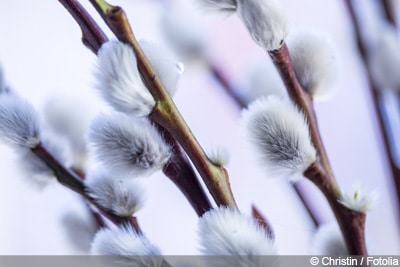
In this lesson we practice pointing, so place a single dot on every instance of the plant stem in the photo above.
(215, 177)
(320, 172)
(281, 59)
(72, 181)
(181, 173)
(220, 76)
(64, 176)
(301, 193)
(165, 112)
(96, 216)
(183, 176)
(92, 36)
(179, 169)
(376, 95)
(352, 223)
(389, 11)
(263, 222)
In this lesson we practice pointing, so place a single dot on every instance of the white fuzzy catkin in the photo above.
(314, 62)
(219, 156)
(359, 199)
(121, 197)
(328, 240)
(225, 231)
(127, 146)
(127, 246)
(19, 126)
(119, 81)
(165, 64)
(280, 134)
(220, 5)
(265, 21)
(385, 60)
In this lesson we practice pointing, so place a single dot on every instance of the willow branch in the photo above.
(320, 172)
(96, 216)
(178, 169)
(220, 76)
(302, 99)
(376, 96)
(301, 193)
(352, 223)
(181, 173)
(92, 36)
(389, 11)
(71, 180)
(263, 222)
(165, 112)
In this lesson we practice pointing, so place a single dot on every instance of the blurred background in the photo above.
(44, 60)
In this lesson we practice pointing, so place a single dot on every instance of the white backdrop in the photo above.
(42, 56)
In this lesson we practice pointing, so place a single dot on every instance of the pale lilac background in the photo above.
(42, 55)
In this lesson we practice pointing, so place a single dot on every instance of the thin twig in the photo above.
(181, 173)
(165, 112)
(263, 222)
(320, 172)
(376, 96)
(302, 99)
(92, 36)
(71, 180)
(301, 193)
(220, 76)
(389, 11)
(96, 216)
(185, 179)
(352, 223)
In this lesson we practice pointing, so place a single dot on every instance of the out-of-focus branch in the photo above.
(375, 93)
(389, 11)
(71, 180)
(223, 81)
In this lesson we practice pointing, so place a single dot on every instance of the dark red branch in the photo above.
(352, 223)
(302, 99)
(181, 173)
(320, 172)
(179, 169)
(389, 12)
(263, 222)
(376, 95)
(92, 36)
(72, 181)
(221, 78)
